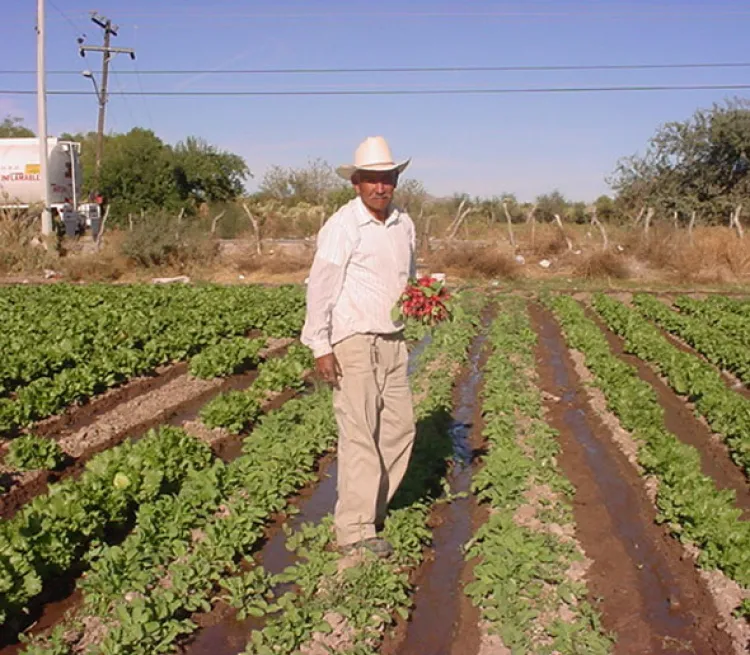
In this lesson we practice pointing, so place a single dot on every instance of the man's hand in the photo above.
(328, 369)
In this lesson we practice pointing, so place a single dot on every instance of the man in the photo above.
(364, 258)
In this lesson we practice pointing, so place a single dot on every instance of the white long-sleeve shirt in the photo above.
(360, 269)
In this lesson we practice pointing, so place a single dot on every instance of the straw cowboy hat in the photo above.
(373, 154)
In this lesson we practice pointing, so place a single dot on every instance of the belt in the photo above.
(387, 336)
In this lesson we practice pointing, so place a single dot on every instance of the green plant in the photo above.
(687, 500)
(30, 453)
(226, 357)
(98, 336)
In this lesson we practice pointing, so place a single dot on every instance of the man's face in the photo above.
(376, 188)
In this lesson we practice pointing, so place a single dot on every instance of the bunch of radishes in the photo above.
(425, 300)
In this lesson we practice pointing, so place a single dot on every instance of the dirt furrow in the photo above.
(438, 622)
(221, 632)
(731, 380)
(649, 595)
(112, 422)
(61, 597)
(682, 422)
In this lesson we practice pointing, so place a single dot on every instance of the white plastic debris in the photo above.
(180, 279)
(545, 263)
(520, 259)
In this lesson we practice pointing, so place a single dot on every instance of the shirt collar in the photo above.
(364, 216)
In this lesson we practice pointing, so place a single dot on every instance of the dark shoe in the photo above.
(376, 545)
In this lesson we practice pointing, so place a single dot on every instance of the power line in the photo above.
(589, 12)
(115, 77)
(391, 92)
(592, 11)
(66, 17)
(412, 69)
(140, 85)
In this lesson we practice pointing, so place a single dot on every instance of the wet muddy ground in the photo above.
(681, 420)
(433, 627)
(649, 595)
(648, 592)
(221, 633)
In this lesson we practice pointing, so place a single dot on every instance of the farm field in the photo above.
(579, 482)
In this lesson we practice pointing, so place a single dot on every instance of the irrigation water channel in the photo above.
(436, 603)
(228, 636)
(651, 597)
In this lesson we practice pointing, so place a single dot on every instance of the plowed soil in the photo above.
(649, 595)
(683, 423)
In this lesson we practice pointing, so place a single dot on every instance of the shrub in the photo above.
(602, 264)
(157, 241)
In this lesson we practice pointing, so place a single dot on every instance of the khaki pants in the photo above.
(375, 417)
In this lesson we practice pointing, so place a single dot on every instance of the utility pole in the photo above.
(41, 105)
(107, 51)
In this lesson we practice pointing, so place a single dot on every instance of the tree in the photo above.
(12, 127)
(137, 174)
(410, 195)
(206, 174)
(550, 204)
(313, 184)
(606, 211)
(700, 164)
(141, 172)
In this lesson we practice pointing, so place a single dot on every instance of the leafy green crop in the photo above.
(53, 531)
(720, 348)
(226, 357)
(687, 500)
(29, 453)
(236, 410)
(714, 312)
(727, 412)
(515, 562)
(98, 336)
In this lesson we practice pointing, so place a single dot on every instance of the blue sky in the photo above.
(525, 144)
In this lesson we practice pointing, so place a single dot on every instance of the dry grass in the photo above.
(548, 242)
(20, 246)
(600, 265)
(713, 255)
(473, 261)
(276, 263)
(106, 265)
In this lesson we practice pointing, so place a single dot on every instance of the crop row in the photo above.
(186, 548)
(50, 534)
(141, 593)
(228, 357)
(53, 531)
(727, 412)
(235, 410)
(687, 500)
(717, 347)
(520, 583)
(740, 307)
(357, 601)
(712, 312)
(119, 337)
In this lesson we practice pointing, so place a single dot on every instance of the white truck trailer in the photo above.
(21, 186)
